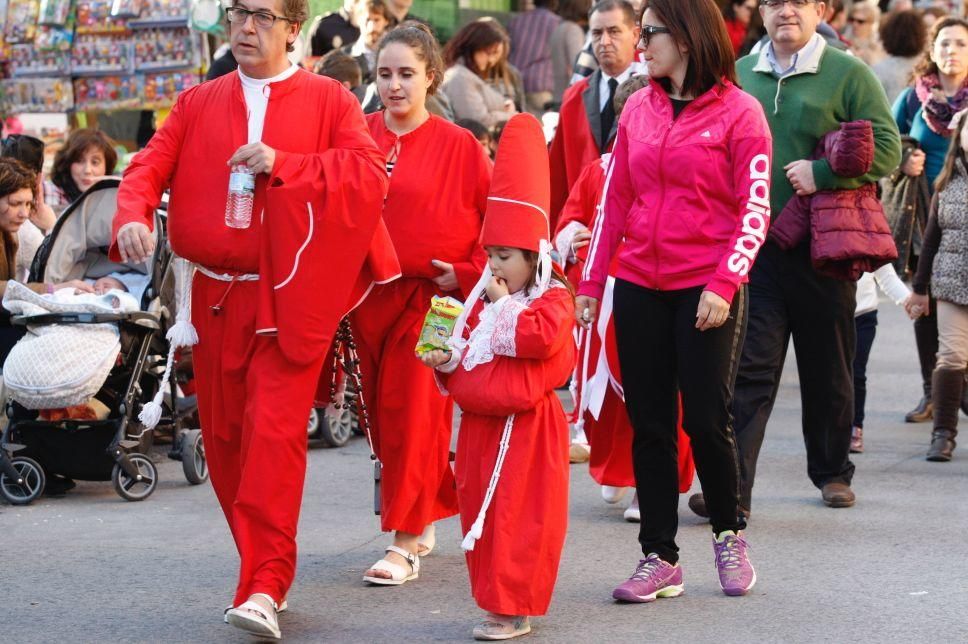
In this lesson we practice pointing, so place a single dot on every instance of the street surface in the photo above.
(91, 567)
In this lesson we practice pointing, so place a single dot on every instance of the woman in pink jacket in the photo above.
(688, 190)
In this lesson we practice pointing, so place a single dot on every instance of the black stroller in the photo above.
(114, 448)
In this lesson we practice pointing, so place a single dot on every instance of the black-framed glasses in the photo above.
(778, 4)
(650, 30)
(261, 19)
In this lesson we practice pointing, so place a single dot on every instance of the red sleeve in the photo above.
(752, 162)
(470, 271)
(147, 176)
(559, 175)
(610, 224)
(580, 205)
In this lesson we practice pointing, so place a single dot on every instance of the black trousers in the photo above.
(662, 354)
(788, 298)
(865, 325)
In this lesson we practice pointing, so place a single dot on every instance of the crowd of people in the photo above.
(647, 201)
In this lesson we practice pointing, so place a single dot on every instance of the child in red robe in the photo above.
(512, 448)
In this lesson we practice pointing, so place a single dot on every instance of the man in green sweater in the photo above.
(807, 89)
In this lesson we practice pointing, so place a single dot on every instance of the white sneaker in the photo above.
(632, 514)
(613, 494)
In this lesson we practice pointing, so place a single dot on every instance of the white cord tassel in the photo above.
(181, 334)
(457, 337)
(477, 529)
(544, 266)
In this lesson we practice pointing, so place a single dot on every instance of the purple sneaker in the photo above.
(736, 574)
(652, 578)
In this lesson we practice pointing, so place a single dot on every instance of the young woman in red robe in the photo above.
(439, 177)
(512, 447)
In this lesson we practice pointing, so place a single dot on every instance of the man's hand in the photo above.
(713, 311)
(434, 358)
(447, 280)
(258, 156)
(914, 166)
(800, 174)
(586, 310)
(496, 289)
(916, 306)
(136, 243)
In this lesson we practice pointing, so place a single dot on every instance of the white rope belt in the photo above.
(227, 277)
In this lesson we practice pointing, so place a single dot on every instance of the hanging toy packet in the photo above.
(439, 324)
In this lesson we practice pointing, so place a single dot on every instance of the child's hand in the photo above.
(434, 358)
(496, 289)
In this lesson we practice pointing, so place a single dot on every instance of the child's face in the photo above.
(105, 284)
(510, 265)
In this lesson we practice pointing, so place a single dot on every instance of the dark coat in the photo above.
(906, 202)
(847, 229)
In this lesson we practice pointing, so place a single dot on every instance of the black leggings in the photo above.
(661, 353)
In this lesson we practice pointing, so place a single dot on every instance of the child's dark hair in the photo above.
(532, 258)
(341, 67)
(418, 37)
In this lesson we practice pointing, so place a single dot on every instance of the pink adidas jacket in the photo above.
(690, 196)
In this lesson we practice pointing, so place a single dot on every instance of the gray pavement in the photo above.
(93, 568)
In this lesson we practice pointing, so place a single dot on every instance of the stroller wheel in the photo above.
(193, 457)
(312, 425)
(137, 488)
(30, 484)
(336, 429)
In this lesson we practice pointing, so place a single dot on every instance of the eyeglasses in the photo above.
(262, 19)
(778, 4)
(650, 30)
(857, 21)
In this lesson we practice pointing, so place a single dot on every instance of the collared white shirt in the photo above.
(603, 85)
(256, 92)
(805, 54)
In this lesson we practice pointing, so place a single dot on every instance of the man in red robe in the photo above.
(587, 119)
(266, 299)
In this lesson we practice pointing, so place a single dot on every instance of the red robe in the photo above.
(254, 391)
(608, 430)
(572, 149)
(433, 210)
(514, 563)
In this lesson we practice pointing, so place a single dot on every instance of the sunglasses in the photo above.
(650, 30)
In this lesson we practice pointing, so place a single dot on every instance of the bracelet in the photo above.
(49, 288)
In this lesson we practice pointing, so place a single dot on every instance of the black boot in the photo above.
(946, 386)
(926, 339)
(964, 396)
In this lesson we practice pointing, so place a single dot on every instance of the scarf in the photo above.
(936, 108)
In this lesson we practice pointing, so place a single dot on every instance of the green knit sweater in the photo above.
(802, 107)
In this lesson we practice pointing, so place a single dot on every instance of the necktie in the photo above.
(608, 112)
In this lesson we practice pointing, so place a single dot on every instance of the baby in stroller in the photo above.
(107, 345)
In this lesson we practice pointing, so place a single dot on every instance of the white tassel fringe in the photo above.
(477, 529)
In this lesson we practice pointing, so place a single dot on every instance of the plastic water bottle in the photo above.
(238, 209)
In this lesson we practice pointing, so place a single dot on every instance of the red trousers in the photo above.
(410, 420)
(254, 406)
(610, 440)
